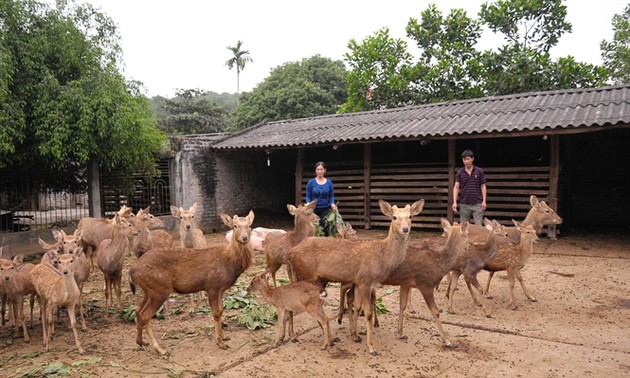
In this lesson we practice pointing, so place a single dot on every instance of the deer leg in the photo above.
(215, 300)
(353, 314)
(520, 280)
(373, 304)
(429, 299)
(144, 317)
(365, 295)
(22, 318)
(32, 302)
(73, 325)
(49, 326)
(319, 315)
(343, 290)
(291, 331)
(402, 303)
(452, 284)
(472, 279)
(510, 275)
(116, 281)
(83, 325)
(108, 293)
(487, 291)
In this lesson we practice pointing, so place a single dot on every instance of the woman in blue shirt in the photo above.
(321, 189)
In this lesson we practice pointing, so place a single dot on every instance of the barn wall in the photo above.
(233, 182)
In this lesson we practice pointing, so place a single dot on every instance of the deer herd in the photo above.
(162, 267)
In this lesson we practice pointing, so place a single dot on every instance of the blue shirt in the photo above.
(324, 194)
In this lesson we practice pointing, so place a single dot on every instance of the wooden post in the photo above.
(299, 171)
(367, 173)
(554, 178)
(451, 179)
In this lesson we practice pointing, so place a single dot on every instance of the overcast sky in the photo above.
(169, 44)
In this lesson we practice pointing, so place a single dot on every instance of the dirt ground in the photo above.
(579, 327)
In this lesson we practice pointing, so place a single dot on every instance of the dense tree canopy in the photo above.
(449, 65)
(192, 111)
(616, 53)
(63, 100)
(312, 87)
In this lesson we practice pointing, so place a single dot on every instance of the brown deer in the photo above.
(190, 236)
(295, 297)
(277, 246)
(151, 236)
(512, 259)
(71, 244)
(213, 270)
(56, 287)
(95, 230)
(16, 280)
(484, 245)
(365, 263)
(425, 264)
(110, 257)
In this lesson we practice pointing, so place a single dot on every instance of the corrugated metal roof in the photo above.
(575, 108)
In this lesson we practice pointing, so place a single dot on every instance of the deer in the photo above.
(301, 296)
(190, 236)
(95, 230)
(110, 256)
(71, 244)
(277, 246)
(512, 259)
(258, 236)
(538, 216)
(151, 236)
(364, 263)
(56, 287)
(484, 245)
(427, 261)
(16, 281)
(213, 269)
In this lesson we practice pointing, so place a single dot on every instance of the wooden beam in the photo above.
(367, 173)
(299, 168)
(554, 178)
(451, 179)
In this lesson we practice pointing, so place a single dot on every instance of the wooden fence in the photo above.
(358, 192)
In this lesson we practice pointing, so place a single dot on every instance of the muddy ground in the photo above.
(579, 327)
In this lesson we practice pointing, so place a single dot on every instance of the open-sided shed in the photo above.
(565, 146)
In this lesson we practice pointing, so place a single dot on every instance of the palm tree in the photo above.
(240, 58)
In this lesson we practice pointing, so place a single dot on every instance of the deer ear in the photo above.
(250, 217)
(227, 220)
(386, 208)
(175, 211)
(445, 224)
(417, 207)
(292, 209)
(533, 200)
(19, 259)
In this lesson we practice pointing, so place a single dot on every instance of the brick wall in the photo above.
(229, 181)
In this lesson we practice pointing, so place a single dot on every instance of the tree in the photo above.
(530, 24)
(192, 112)
(380, 73)
(240, 59)
(616, 53)
(449, 65)
(312, 87)
(64, 102)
